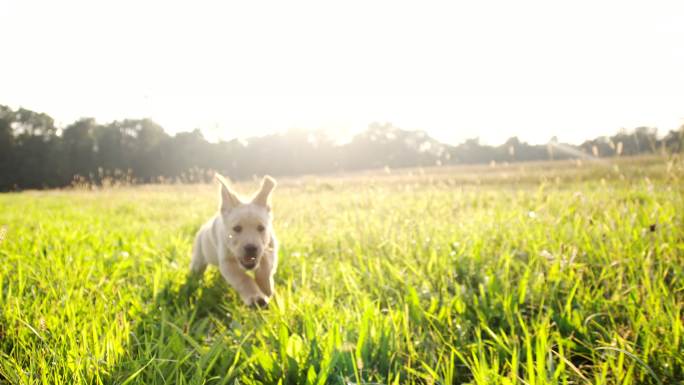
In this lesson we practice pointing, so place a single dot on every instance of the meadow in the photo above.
(546, 273)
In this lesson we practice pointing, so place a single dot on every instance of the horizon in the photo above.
(455, 71)
(340, 140)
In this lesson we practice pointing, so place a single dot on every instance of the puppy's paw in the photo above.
(257, 301)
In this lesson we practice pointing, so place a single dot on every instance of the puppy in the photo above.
(240, 239)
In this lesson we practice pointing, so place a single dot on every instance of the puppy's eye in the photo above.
(237, 228)
(261, 228)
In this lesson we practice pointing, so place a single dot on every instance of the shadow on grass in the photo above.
(182, 337)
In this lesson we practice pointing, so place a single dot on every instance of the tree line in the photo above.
(35, 153)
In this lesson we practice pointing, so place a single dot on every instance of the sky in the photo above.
(456, 69)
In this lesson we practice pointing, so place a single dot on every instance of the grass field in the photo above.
(547, 273)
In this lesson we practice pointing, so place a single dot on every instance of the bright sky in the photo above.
(491, 69)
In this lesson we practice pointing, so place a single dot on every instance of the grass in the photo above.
(559, 273)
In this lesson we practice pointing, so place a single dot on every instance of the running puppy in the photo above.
(238, 239)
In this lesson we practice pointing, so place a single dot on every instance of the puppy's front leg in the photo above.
(267, 268)
(264, 277)
(244, 284)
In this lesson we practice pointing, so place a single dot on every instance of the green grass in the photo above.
(561, 273)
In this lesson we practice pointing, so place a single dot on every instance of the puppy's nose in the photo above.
(251, 251)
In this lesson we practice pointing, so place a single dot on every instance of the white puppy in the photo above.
(238, 239)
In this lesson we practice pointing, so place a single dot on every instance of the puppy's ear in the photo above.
(228, 199)
(263, 197)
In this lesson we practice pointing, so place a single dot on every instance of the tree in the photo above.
(34, 153)
(78, 146)
(7, 157)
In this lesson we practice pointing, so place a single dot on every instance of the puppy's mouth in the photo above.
(249, 263)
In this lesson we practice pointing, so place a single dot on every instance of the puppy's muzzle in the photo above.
(250, 256)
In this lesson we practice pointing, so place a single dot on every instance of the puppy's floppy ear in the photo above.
(228, 198)
(262, 198)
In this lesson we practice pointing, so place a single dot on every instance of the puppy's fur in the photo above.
(238, 239)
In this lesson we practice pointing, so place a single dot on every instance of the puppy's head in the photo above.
(247, 224)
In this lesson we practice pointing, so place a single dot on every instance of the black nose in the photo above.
(251, 251)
